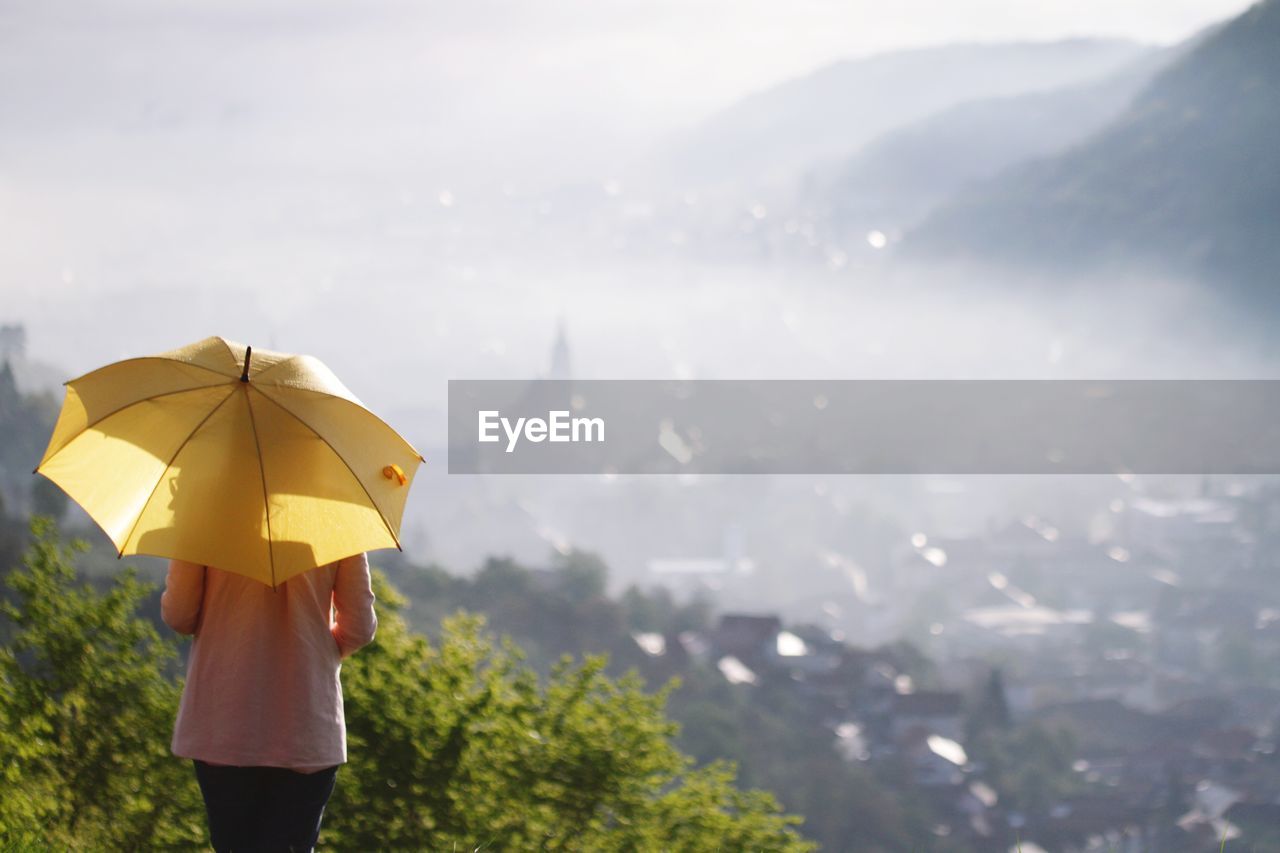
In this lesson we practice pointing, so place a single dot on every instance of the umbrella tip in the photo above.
(248, 354)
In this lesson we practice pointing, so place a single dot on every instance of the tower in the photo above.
(560, 354)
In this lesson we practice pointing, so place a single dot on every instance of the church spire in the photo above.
(560, 353)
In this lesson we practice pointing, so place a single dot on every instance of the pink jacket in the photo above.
(262, 680)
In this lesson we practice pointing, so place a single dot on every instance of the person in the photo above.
(261, 713)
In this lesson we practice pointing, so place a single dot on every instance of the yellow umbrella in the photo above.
(260, 463)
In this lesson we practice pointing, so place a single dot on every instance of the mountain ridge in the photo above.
(900, 175)
(1186, 181)
(834, 110)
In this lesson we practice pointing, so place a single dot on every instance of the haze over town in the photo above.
(418, 192)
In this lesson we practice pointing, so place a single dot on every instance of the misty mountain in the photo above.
(900, 176)
(837, 109)
(1187, 180)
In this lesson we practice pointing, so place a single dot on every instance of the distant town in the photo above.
(1157, 649)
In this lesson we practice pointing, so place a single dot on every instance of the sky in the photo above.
(125, 122)
(452, 85)
(255, 167)
(629, 65)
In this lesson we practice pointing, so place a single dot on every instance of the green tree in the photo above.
(48, 499)
(1030, 767)
(459, 744)
(991, 711)
(86, 713)
(453, 743)
(580, 576)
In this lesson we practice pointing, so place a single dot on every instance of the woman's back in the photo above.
(263, 682)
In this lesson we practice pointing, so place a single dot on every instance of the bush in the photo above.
(86, 714)
(457, 745)
(453, 746)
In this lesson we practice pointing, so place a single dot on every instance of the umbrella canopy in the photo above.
(259, 463)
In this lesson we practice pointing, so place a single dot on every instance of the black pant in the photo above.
(264, 808)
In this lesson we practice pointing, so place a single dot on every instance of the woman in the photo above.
(261, 713)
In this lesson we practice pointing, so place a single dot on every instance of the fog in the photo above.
(419, 192)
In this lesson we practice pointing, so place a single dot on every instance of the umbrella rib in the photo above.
(266, 503)
(279, 363)
(350, 401)
(234, 358)
(90, 426)
(354, 475)
(167, 466)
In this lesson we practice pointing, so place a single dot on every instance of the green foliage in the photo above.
(991, 711)
(580, 576)
(48, 499)
(1030, 767)
(459, 745)
(86, 714)
(657, 610)
(780, 746)
(563, 610)
(776, 740)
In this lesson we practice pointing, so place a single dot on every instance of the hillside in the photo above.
(1187, 180)
(837, 109)
(900, 176)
